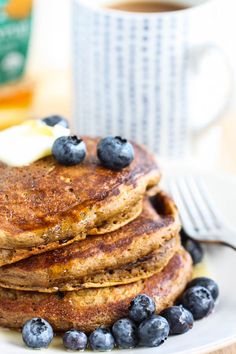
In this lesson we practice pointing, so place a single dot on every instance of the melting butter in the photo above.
(28, 142)
(201, 270)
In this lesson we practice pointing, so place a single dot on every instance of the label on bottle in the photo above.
(15, 28)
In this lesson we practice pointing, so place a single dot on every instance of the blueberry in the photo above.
(141, 307)
(115, 153)
(184, 236)
(206, 283)
(101, 340)
(194, 249)
(198, 301)
(54, 120)
(37, 333)
(75, 340)
(69, 150)
(125, 333)
(153, 331)
(180, 320)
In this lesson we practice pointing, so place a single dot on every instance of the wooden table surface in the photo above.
(53, 95)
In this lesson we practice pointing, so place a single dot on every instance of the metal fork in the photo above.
(200, 218)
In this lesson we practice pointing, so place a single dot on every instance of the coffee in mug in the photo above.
(146, 6)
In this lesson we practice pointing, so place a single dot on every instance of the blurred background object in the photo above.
(50, 67)
(16, 87)
(154, 77)
(51, 44)
(50, 58)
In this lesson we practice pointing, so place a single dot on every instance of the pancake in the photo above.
(129, 273)
(102, 260)
(46, 205)
(9, 256)
(89, 308)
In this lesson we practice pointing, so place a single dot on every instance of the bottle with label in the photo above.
(16, 89)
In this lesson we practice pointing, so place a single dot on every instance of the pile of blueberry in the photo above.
(113, 152)
(142, 328)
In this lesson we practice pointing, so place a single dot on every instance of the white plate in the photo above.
(214, 332)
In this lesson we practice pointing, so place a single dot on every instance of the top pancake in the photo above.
(46, 204)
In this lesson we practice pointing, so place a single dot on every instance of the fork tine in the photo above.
(200, 218)
(189, 201)
(187, 221)
(207, 199)
(200, 203)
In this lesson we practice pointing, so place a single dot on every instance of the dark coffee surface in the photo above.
(146, 6)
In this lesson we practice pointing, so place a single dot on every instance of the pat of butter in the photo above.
(28, 142)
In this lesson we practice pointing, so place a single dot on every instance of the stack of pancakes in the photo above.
(77, 244)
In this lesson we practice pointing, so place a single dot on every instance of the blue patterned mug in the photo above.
(143, 75)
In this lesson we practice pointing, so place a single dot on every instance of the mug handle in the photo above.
(208, 99)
